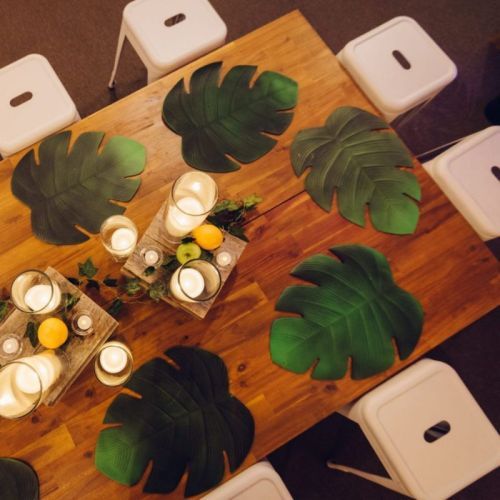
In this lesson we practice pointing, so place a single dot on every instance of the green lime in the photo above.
(187, 251)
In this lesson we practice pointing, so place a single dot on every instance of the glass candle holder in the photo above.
(192, 198)
(25, 381)
(82, 323)
(34, 292)
(152, 256)
(11, 346)
(223, 259)
(113, 364)
(119, 236)
(195, 281)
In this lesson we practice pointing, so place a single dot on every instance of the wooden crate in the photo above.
(155, 235)
(80, 350)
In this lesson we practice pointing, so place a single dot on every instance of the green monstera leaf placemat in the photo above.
(18, 481)
(69, 188)
(186, 419)
(216, 121)
(353, 312)
(353, 157)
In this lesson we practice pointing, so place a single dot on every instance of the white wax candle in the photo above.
(84, 322)
(123, 241)
(113, 359)
(38, 297)
(13, 403)
(10, 345)
(187, 284)
(223, 259)
(151, 257)
(184, 217)
(43, 299)
(47, 365)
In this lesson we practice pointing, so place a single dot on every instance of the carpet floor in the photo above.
(79, 39)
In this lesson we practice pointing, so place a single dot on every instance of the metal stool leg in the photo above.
(374, 478)
(119, 48)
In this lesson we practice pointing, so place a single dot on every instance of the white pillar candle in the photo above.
(43, 299)
(187, 284)
(151, 257)
(47, 365)
(113, 359)
(123, 241)
(13, 403)
(84, 322)
(179, 219)
(223, 259)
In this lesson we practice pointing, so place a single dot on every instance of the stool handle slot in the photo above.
(401, 59)
(20, 99)
(172, 21)
(496, 172)
(437, 431)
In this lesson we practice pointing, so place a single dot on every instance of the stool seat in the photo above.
(398, 66)
(33, 103)
(469, 174)
(428, 431)
(169, 34)
(260, 481)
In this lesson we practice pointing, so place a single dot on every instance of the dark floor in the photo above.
(79, 37)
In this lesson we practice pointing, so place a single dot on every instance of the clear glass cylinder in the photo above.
(192, 198)
(113, 364)
(34, 292)
(25, 381)
(195, 281)
(119, 236)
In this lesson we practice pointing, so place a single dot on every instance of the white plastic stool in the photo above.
(469, 174)
(167, 34)
(33, 103)
(428, 431)
(398, 66)
(260, 481)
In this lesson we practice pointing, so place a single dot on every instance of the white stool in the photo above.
(428, 431)
(260, 481)
(167, 34)
(469, 174)
(33, 103)
(398, 66)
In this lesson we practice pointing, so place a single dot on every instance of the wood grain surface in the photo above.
(444, 264)
(156, 236)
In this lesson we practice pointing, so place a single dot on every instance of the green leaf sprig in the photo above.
(230, 215)
(32, 332)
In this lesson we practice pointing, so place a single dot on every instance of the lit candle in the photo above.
(38, 296)
(43, 299)
(84, 322)
(13, 403)
(113, 364)
(11, 345)
(151, 257)
(223, 259)
(184, 216)
(47, 365)
(113, 359)
(123, 241)
(187, 284)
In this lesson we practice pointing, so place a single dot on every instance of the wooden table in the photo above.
(444, 264)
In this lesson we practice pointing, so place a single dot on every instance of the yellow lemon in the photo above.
(52, 333)
(208, 236)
